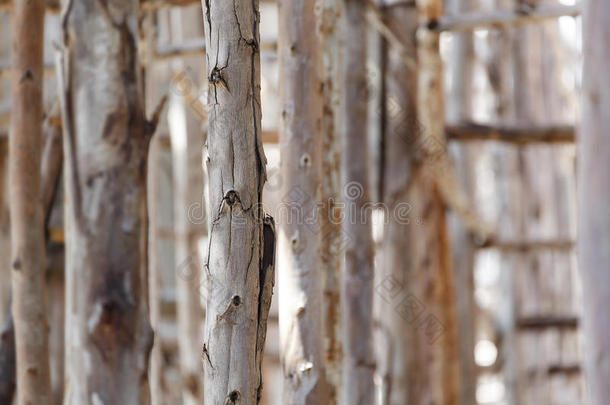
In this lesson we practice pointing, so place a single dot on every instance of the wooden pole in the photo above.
(357, 283)
(27, 222)
(239, 270)
(301, 279)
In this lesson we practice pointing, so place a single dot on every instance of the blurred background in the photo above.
(511, 104)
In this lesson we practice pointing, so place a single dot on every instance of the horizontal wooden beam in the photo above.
(518, 135)
(564, 369)
(502, 18)
(550, 321)
(526, 246)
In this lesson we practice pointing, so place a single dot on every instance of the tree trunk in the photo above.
(106, 139)
(188, 139)
(301, 288)
(594, 194)
(357, 288)
(331, 253)
(27, 224)
(240, 265)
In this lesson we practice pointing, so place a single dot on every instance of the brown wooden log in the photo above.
(27, 222)
(510, 134)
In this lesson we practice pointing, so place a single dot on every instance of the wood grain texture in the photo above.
(239, 272)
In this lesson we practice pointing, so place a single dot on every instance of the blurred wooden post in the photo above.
(357, 283)
(594, 194)
(396, 331)
(27, 222)
(301, 279)
(106, 140)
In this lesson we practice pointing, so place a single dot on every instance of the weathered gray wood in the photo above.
(357, 282)
(239, 270)
(301, 279)
(106, 139)
(27, 221)
(594, 194)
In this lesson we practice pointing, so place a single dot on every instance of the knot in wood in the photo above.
(231, 197)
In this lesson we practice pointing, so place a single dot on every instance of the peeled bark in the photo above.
(357, 284)
(27, 222)
(594, 194)
(106, 139)
(240, 266)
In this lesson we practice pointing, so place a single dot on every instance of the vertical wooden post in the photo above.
(106, 140)
(239, 271)
(301, 279)
(594, 194)
(357, 283)
(27, 222)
